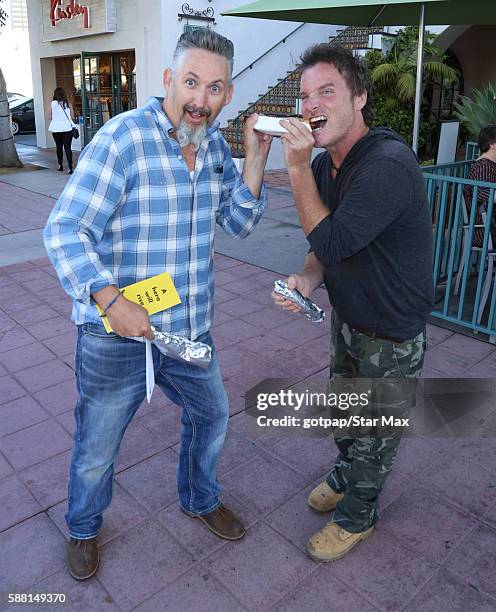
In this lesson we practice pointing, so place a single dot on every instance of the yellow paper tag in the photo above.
(155, 294)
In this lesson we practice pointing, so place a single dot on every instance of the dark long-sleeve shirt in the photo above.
(376, 245)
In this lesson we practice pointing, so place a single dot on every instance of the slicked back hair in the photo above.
(207, 40)
(352, 68)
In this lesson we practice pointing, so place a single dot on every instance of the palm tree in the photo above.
(8, 153)
(396, 75)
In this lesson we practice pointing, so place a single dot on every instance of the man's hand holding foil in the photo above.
(306, 283)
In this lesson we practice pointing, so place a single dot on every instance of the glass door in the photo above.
(107, 86)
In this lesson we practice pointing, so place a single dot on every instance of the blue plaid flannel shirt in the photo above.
(131, 210)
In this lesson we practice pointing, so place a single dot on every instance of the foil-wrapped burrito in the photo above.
(184, 349)
(181, 348)
(309, 308)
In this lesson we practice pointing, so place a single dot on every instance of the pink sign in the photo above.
(71, 10)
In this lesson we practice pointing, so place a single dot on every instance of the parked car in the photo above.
(11, 96)
(22, 112)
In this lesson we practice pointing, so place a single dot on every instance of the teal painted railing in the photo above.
(471, 150)
(464, 268)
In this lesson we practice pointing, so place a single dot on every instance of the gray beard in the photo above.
(187, 135)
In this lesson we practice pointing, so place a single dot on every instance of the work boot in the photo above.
(221, 521)
(82, 558)
(333, 542)
(323, 498)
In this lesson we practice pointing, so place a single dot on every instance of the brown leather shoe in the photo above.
(82, 558)
(221, 521)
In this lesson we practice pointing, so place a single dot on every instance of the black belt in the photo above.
(375, 335)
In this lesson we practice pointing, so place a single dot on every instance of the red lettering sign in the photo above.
(73, 9)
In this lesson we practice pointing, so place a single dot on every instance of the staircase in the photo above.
(280, 100)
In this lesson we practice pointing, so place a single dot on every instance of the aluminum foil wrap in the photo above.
(178, 347)
(309, 308)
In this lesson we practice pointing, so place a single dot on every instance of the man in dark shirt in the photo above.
(363, 208)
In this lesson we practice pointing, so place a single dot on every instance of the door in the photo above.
(107, 87)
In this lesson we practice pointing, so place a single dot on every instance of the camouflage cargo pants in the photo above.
(364, 463)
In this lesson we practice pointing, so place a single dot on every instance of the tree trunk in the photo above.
(8, 152)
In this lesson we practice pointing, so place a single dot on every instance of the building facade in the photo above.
(109, 55)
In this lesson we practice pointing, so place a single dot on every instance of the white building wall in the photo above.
(14, 49)
(139, 27)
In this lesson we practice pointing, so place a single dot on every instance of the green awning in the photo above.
(371, 12)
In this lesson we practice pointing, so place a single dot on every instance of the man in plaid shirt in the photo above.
(145, 198)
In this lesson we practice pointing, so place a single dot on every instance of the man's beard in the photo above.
(188, 135)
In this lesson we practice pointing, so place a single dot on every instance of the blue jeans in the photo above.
(110, 373)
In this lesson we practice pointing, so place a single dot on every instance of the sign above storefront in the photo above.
(72, 10)
(65, 19)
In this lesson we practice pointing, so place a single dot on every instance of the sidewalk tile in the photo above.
(64, 344)
(25, 357)
(467, 346)
(426, 524)
(301, 331)
(322, 592)
(31, 551)
(192, 533)
(473, 490)
(6, 323)
(122, 514)
(383, 571)
(445, 592)
(34, 444)
(164, 423)
(50, 328)
(59, 398)
(296, 521)
(13, 338)
(86, 596)
(16, 502)
(239, 307)
(237, 449)
(141, 562)
(270, 318)
(449, 363)
(34, 315)
(47, 480)
(153, 481)
(222, 262)
(10, 389)
(20, 413)
(261, 568)
(5, 468)
(44, 375)
(195, 590)
(232, 332)
(474, 561)
(263, 484)
(138, 444)
(310, 456)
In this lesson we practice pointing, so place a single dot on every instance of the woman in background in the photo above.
(61, 124)
(483, 169)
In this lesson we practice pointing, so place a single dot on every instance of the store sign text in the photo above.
(71, 10)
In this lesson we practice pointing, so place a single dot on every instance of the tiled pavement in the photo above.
(434, 548)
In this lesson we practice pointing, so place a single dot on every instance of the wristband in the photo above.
(110, 304)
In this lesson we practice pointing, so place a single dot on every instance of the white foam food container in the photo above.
(271, 125)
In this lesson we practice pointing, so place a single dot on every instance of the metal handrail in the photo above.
(282, 41)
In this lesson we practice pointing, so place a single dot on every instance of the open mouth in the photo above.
(317, 123)
(196, 114)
